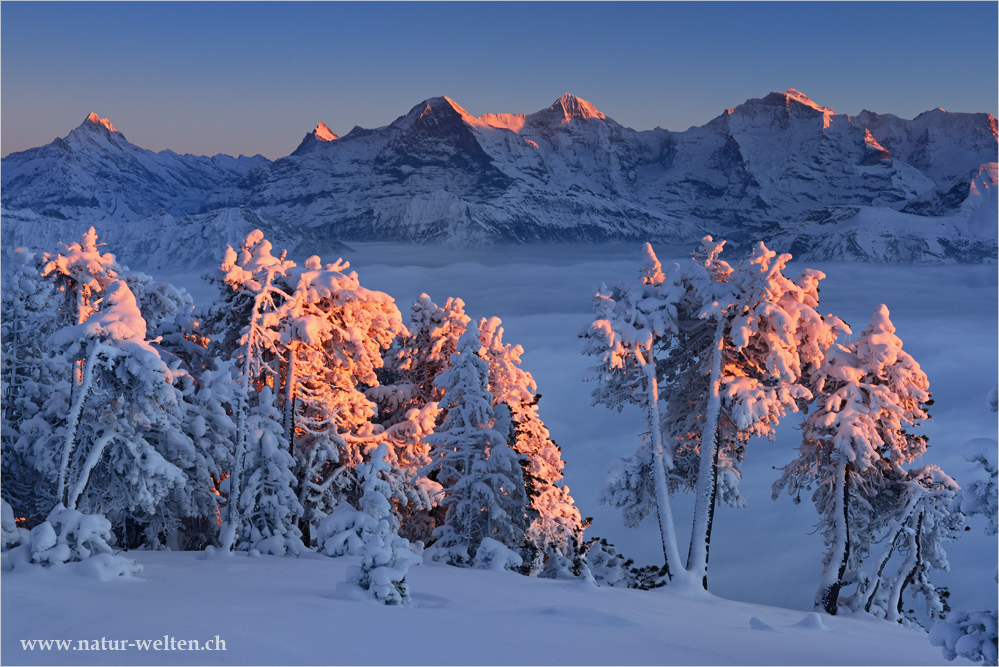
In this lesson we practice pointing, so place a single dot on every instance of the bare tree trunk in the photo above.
(707, 474)
(827, 597)
(661, 460)
(906, 572)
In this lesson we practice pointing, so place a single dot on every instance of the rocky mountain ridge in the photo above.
(780, 167)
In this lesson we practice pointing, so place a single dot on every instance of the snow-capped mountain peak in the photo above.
(318, 137)
(323, 133)
(801, 98)
(97, 120)
(565, 109)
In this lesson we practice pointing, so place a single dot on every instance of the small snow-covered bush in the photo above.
(345, 531)
(68, 536)
(969, 634)
(370, 533)
(607, 566)
(494, 555)
(385, 560)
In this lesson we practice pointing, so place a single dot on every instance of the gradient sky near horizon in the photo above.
(235, 77)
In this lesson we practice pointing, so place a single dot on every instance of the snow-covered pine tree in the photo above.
(371, 532)
(33, 380)
(409, 410)
(727, 350)
(855, 443)
(927, 528)
(125, 418)
(418, 356)
(555, 524)
(482, 476)
(268, 508)
(333, 334)
(632, 322)
(768, 338)
(245, 322)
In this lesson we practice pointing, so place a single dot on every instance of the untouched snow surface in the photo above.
(280, 611)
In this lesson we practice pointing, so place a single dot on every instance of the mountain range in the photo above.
(781, 168)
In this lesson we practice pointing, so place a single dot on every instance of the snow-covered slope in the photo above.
(95, 172)
(283, 611)
(162, 242)
(781, 165)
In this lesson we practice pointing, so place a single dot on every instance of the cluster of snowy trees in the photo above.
(296, 410)
(715, 355)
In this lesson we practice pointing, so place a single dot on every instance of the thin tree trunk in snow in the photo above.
(661, 459)
(233, 518)
(707, 474)
(905, 573)
(96, 452)
(827, 597)
(73, 424)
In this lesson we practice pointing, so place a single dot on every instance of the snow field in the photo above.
(283, 611)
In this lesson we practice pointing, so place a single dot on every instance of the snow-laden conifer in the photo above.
(419, 355)
(371, 532)
(245, 320)
(268, 508)
(555, 524)
(333, 334)
(35, 383)
(482, 476)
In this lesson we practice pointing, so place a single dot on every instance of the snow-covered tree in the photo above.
(418, 356)
(729, 351)
(34, 382)
(630, 328)
(371, 532)
(268, 508)
(854, 444)
(245, 319)
(333, 334)
(124, 419)
(555, 525)
(315, 336)
(483, 480)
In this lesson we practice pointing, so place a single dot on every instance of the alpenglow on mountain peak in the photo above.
(324, 133)
(97, 120)
(571, 107)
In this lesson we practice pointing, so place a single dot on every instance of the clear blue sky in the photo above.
(254, 77)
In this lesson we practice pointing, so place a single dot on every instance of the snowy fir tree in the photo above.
(35, 384)
(243, 320)
(482, 477)
(371, 532)
(555, 524)
(418, 356)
